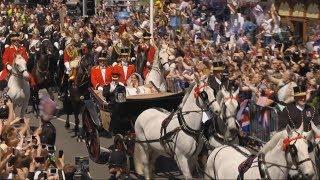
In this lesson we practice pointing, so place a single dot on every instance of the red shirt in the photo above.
(11, 52)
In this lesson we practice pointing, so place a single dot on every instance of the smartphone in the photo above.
(39, 159)
(60, 153)
(53, 171)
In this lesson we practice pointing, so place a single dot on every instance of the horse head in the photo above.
(229, 108)
(205, 99)
(295, 143)
(164, 57)
(20, 66)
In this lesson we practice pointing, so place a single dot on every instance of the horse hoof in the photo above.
(67, 125)
(76, 129)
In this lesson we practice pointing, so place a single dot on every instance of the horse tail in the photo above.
(137, 159)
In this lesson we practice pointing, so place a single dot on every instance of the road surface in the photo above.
(72, 147)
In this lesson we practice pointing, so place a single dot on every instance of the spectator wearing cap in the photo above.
(47, 109)
(101, 74)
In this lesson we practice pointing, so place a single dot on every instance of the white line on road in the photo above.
(72, 123)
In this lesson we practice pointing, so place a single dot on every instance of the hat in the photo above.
(146, 35)
(15, 36)
(103, 56)
(125, 51)
(218, 66)
(300, 91)
(33, 43)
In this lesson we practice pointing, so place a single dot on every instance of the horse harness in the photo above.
(198, 135)
(290, 149)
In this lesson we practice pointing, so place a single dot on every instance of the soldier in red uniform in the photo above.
(124, 67)
(101, 74)
(9, 55)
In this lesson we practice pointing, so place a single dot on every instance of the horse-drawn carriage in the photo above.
(121, 114)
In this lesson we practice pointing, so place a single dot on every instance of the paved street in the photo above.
(72, 148)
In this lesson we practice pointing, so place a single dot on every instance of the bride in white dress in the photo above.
(135, 86)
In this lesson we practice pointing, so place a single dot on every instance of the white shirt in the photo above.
(300, 107)
(218, 80)
(125, 69)
(103, 72)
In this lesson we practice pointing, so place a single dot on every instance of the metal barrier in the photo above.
(263, 121)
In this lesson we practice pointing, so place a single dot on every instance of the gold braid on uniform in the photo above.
(72, 52)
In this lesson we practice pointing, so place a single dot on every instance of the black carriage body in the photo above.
(124, 114)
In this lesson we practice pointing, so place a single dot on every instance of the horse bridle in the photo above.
(203, 95)
(21, 72)
(290, 149)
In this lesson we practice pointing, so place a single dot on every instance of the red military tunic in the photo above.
(97, 78)
(150, 53)
(125, 72)
(8, 58)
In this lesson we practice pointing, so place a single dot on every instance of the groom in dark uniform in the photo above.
(216, 78)
(297, 112)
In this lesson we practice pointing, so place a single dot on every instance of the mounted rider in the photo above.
(122, 48)
(9, 55)
(71, 58)
(145, 54)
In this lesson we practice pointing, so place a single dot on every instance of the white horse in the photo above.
(186, 123)
(229, 106)
(285, 149)
(316, 146)
(18, 84)
(157, 72)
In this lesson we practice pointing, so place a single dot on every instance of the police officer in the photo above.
(297, 112)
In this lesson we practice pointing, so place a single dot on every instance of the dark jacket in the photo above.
(48, 134)
(214, 84)
(292, 116)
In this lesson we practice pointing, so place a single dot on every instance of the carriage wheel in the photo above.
(91, 137)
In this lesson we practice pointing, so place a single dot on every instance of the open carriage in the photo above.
(122, 114)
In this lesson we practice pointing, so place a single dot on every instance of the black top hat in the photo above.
(146, 35)
(300, 90)
(218, 66)
(125, 51)
(15, 36)
(103, 55)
